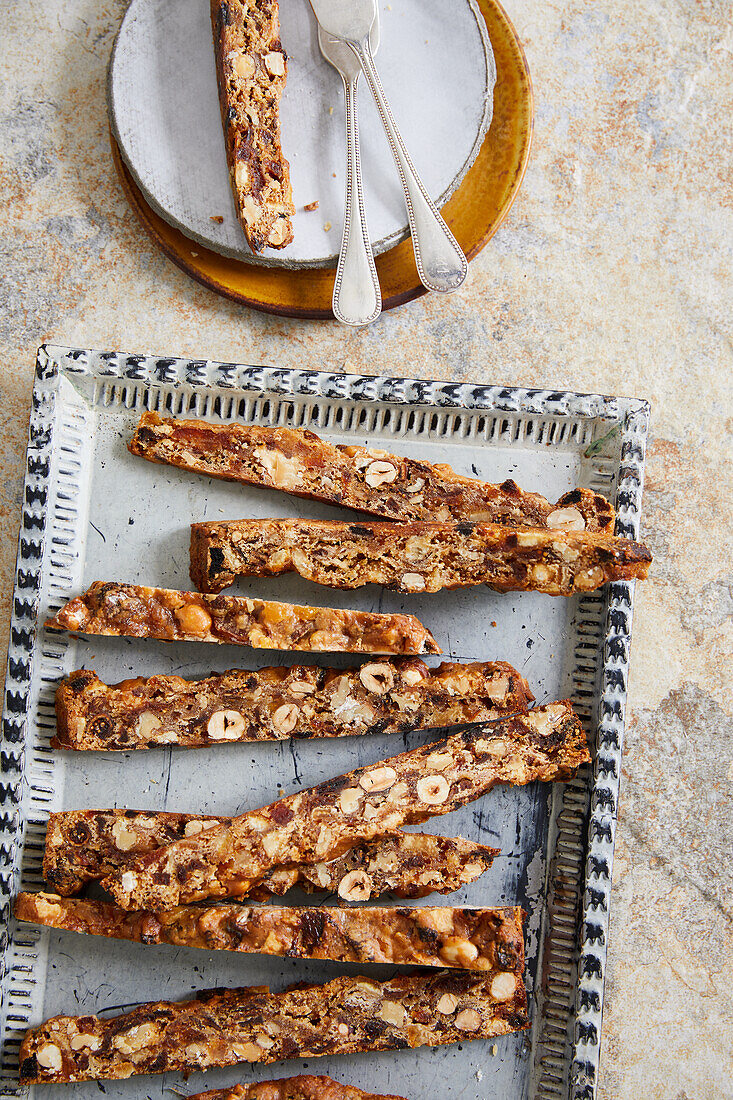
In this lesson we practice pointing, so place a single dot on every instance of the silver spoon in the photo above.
(357, 299)
(441, 264)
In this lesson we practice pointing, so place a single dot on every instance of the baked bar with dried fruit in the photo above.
(348, 1015)
(297, 461)
(251, 70)
(305, 1087)
(321, 822)
(86, 845)
(413, 557)
(489, 940)
(270, 704)
(135, 611)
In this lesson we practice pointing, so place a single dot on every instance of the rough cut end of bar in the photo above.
(322, 822)
(227, 1027)
(86, 845)
(251, 72)
(297, 461)
(269, 704)
(413, 557)
(486, 940)
(131, 610)
(304, 1087)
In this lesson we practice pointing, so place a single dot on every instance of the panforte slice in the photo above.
(345, 1016)
(135, 611)
(303, 1087)
(86, 845)
(489, 940)
(321, 822)
(413, 557)
(270, 704)
(297, 461)
(251, 70)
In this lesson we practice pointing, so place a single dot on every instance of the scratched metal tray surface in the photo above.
(93, 511)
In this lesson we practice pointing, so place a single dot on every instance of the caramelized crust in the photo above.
(320, 823)
(271, 704)
(413, 557)
(227, 1027)
(489, 940)
(135, 611)
(292, 1088)
(367, 480)
(86, 845)
(251, 69)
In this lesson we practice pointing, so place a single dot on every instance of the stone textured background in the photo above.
(612, 274)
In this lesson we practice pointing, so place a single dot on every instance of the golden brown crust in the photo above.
(489, 940)
(305, 1087)
(227, 1027)
(383, 484)
(413, 557)
(272, 704)
(86, 845)
(136, 611)
(251, 69)
(322, 822)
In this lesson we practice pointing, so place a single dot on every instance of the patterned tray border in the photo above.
(631, 417)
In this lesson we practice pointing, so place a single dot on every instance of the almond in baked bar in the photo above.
(304, 1087)
(489, 940)
(413, 557)
(297, 461)
(321, 822)
(134, 611)
(251, 69)
(86, 845)
(271, 704)
(348, 1015)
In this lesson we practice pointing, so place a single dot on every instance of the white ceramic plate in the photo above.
(437, 68)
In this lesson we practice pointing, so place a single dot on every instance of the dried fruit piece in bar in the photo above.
(413, 557)
(251, 69)
(305, 1087)
(322, 822)
(489, 940)
(86, 845)
(270, 704)
(368, 480)
(227, 1027)
(134, 611)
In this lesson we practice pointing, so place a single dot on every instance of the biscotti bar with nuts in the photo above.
(86, 845)
(300, 463)
(488, 940)
(251, 70)
(348, 1015)
(270, 704)
(304, 1087)
(134, 611)
(320, 823)
(413, 557)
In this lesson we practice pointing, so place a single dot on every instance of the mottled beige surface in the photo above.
(612, 273)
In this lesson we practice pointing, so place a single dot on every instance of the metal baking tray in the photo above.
(92, 511)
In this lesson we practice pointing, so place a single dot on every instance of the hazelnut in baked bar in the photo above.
(413, 557)
(304, 1087)
(86, 845)
(321, 822)
(348, 1015)
(251, 69)
(134, 611)
(297, 461)
(489, 940)
(270, 704)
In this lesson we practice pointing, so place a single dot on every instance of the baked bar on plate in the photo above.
(251, 69)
